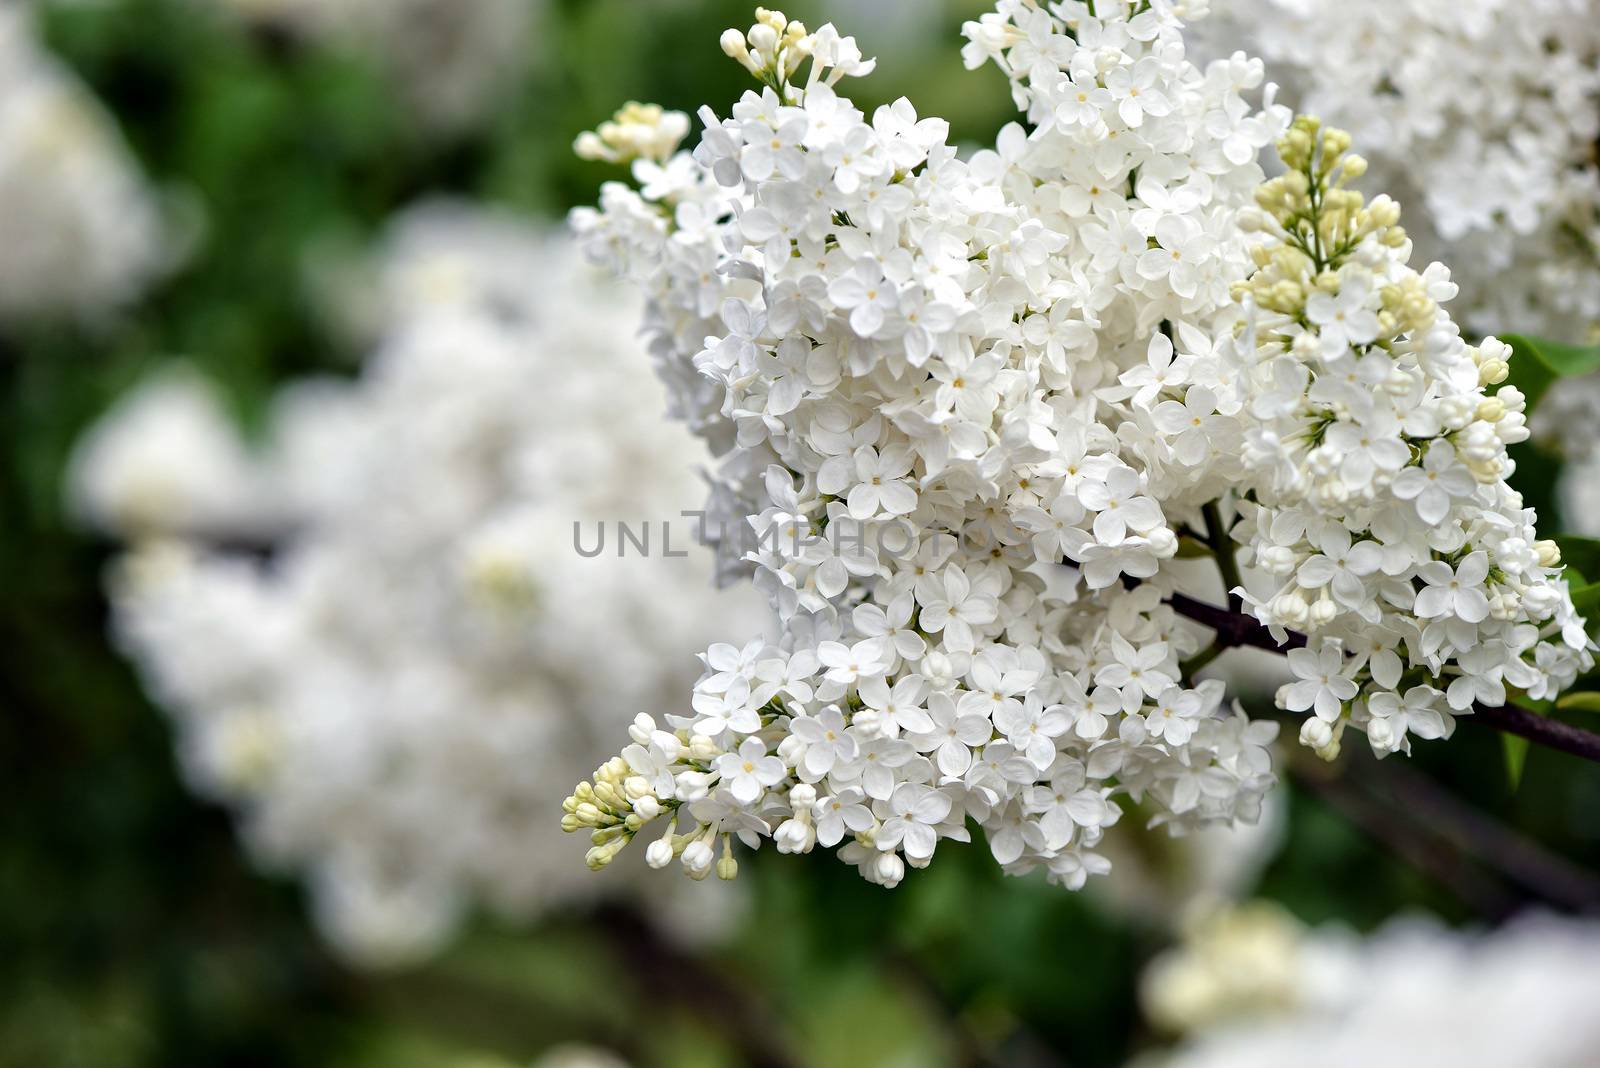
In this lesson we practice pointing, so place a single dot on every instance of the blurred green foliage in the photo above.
(132, 932)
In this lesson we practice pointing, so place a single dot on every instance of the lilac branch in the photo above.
(1236, 629)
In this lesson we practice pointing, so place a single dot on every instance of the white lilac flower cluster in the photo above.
(391, 686)
(81, 231)
(915, 361)
(1482, 116)
(1379, 522)
(1252, 987)
(939, 379)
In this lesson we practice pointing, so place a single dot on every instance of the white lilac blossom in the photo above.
(972, 410)
(81, 230)
(391, 693)
(1379, 521)
(1482, 117)
(1253, 987)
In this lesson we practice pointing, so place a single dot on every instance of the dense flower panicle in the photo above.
(392, 695)
(936, 379)
(904, 348)
(1252, 987)
(1380, 523)
(82, 230)
(1481, 117)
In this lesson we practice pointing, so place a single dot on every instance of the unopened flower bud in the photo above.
(763, 40)
(888, 869)
(1504, 606)
(794, 836)
(1380, 732)
(1276, 559)
(869, 721)
(647, 807)
(601, 855)
(727, 866)
(703, 749)
(1323, 611)
(698, 856)
(641, 728)
(658, 854)
(735, 47)
(1548, 551)
(1163, 542)
(1493, 372)
(1316, 734)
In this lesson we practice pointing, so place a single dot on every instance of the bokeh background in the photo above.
(134, 930)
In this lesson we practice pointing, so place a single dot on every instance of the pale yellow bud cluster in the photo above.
(613, 807)
(773, 49)
(636, 131)
(1279, 283)
(1407, 308)
(1319, 223)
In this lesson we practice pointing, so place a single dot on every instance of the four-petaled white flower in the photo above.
(748, 773)
(828, 742)
(914, 811)
(1436, 484)
(1454, 591)
(1323, 684)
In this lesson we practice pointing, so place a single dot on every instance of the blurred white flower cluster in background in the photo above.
(579, 1057)
(82, 231)
(396, 656)
(1252, 986)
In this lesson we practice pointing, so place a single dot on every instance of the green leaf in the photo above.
(1538, 363)
(1585, 701)
(1581, 558)
(1515, 749)
(1586, 599)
